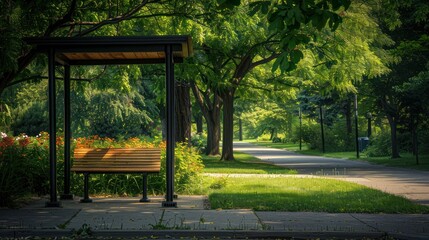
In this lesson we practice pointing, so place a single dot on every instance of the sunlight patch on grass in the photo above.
(243, 163)
(309, 194)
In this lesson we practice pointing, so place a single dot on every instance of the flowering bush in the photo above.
(24, 167)
(188, 166)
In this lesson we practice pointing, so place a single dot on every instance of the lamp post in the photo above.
(300, 129)
(369, 117)
(321, 128)
(356, 126)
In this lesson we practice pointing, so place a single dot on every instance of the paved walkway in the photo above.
(127, 217)
(412, 184)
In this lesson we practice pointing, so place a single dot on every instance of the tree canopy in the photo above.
(256, 62)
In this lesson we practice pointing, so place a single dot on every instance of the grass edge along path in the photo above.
(243, 163)
(272, 193)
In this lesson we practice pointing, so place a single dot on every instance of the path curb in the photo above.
(171, 234)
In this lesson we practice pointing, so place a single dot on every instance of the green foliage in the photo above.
(291, 19)
(31, 119)
(336, 138)
(219, 183)
(268, 117)
(113, 115)
(23, 168)
(199, 141)
(188, 166)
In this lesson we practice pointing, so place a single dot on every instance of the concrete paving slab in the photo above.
(38, 218)
(312, 222)
(138, 218)
(236, 219)
(408, 226)
(396, 223)
(126, 217)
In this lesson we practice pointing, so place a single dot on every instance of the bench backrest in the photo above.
(117, 160)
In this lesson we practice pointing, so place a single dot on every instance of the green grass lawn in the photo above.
(407, 160)
(305, 194)
(288, 146)
(244, 163)
(289, 193)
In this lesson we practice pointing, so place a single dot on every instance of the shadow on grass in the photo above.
(243, 163)
(308, 195)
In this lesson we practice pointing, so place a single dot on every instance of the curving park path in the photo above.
(412, 184)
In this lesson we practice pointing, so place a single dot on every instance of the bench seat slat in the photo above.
(118, 158)
(116, 161)
(137, 160)
(114, 170)
(110, 161)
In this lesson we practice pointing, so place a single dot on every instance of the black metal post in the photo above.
(240, 129)
(67, 135)
(369, 117)
(322, 129)
(300, 129)
(53, 200)
(86, 198)
(414, 127)
(356, 127)
(170, 116)
(144, 197)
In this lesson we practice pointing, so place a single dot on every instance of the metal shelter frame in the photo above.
(107, 51)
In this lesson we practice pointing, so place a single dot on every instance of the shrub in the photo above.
(188, 166)
(379, 145)
(199, 141)
(23, 168)
(277, 140)
(336, 138)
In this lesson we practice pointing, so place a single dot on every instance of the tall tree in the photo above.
(281, 41)
(407, 23)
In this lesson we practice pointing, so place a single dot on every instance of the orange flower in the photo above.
(8, 141)
(59, 141)
(24, 142)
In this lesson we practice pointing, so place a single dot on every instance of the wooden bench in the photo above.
(116, 160)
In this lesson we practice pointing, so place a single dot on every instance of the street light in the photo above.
(300, 129)
(369, 117)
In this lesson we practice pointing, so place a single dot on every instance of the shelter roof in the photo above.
(114, 50)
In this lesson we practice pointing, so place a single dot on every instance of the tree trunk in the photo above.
(211, 112)
(183, 113)
(199, 122)
(414, 123)
(213, 137)
(393, 127)
(273, 130)
(240, 129)
(228, 126)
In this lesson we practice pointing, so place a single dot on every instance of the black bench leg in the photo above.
(145, 198)
(86, 198)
